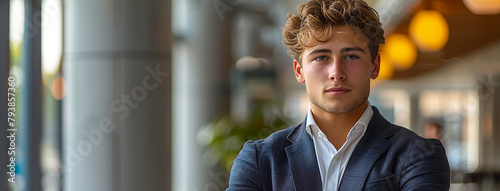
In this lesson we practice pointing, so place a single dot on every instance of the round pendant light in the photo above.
(401, 50)
(429, 30)
(483, 7)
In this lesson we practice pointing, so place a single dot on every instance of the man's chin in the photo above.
(337, 109)
(340, 108)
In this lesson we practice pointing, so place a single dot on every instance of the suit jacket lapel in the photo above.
(302, 160)
(368, 150)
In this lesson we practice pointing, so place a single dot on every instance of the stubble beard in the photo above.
(340, 109)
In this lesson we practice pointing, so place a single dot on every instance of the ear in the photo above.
(375, 67)
(297, 69)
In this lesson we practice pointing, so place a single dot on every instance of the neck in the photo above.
(336, 126)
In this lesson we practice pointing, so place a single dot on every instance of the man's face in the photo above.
(337, 73)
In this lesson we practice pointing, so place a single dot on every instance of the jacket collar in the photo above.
(302, 160)
(370, 147)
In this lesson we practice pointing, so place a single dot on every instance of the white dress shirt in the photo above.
(332, 162)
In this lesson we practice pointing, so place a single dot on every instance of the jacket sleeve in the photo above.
(427, 167)
(245, 171)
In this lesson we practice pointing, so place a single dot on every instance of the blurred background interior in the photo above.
(161, 95)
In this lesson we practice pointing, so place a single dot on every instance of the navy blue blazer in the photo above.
(388, 157)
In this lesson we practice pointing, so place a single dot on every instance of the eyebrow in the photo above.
(324, 50)
(352, 49)
(344, 50)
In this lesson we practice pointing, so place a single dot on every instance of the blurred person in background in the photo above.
(344, 143)
(433, 130)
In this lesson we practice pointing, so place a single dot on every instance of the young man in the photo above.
(344, 143)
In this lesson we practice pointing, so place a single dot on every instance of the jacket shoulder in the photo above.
(259, 161)
(277, 139)
(405, 134)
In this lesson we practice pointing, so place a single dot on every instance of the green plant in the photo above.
(225, 136)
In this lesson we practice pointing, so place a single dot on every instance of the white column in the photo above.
(201, 90)
(117, 110)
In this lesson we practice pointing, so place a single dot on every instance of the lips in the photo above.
(337, 90)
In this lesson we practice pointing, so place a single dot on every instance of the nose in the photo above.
(336, 71)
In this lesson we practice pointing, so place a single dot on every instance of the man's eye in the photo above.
(351, 57)
(321, 58)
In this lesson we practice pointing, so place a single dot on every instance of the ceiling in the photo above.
(468, 33)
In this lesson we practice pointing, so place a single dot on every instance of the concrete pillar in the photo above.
(4, 73)
(117, 110)
(415, 116)
(201, 91)
(29, 136)
(489, 105)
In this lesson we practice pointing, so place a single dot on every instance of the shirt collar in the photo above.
(313, 129)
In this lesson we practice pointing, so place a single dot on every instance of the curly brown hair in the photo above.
(316, 19)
